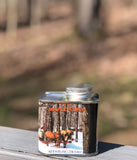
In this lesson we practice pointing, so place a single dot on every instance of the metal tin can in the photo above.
(68, 122)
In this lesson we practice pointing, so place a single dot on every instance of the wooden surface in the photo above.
(17, 144)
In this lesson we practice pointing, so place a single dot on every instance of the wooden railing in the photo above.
(22, 144)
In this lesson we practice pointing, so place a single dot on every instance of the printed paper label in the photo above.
(60, 128)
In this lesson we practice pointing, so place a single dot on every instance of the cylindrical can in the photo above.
(68, 122)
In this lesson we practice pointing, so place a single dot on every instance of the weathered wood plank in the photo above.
(21, 144)
(18, 140)
(12, 155)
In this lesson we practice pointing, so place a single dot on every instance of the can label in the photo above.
(60, 128)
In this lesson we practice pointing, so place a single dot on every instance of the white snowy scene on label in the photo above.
(60, 130)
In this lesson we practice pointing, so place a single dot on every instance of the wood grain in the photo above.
(22, 144)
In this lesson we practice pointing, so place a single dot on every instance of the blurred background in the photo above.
(49, 44)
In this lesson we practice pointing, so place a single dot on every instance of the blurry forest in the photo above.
(49, 44)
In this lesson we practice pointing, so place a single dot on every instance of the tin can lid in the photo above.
(79, 92)
(79, 88)
(53, 96)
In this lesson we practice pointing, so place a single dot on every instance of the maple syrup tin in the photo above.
(68, 122)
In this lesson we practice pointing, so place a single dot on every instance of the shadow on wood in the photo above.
(104, 146)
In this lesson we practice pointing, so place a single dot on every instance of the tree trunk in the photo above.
(3, 13)
(58, 119)
(50, 119)
(35, 11)
(39, 117)
(45, 4)
(80, 119)
(76, 123)
(45, 115)
(64, 120)
(12, 15)
(23, 12)
(86, 15)
(69, 119)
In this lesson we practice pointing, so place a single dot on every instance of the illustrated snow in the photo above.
(71, 148)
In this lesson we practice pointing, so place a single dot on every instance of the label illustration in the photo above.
(60, 128)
